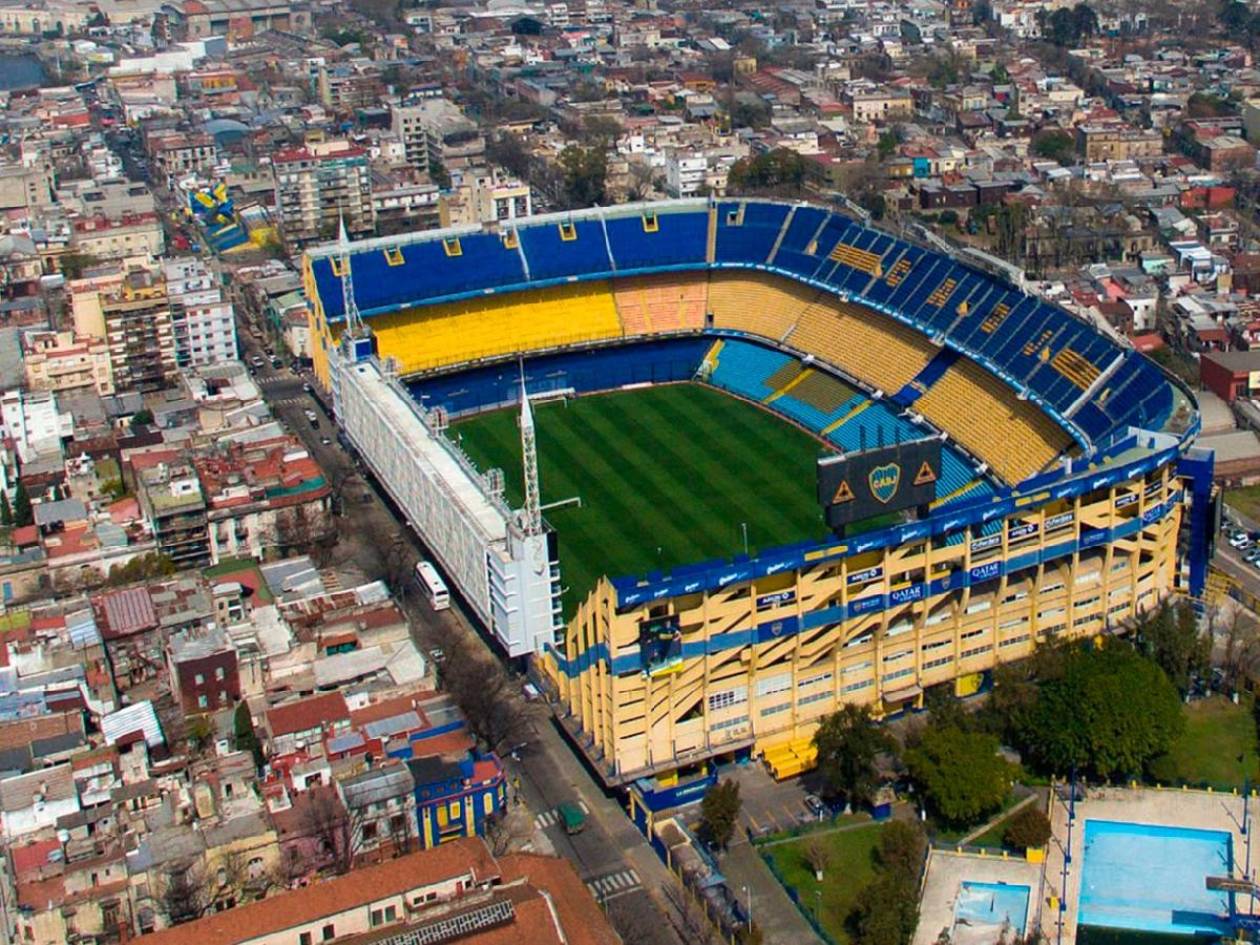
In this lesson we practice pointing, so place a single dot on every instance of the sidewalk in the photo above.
(770, 906)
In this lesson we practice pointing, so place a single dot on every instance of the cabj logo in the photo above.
(884, 481)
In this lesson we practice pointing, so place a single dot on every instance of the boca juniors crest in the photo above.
(884, 481)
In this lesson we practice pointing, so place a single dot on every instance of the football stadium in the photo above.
(716, 467)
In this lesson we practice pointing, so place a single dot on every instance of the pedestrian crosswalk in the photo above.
(290, 402)
(549, 818)
(604, 888)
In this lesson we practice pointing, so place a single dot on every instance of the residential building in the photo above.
(171, 498)
(203, 669)
(435, 131)
(129, 237)
(1117, 142)
(458, 890)
(137, 321)
(320, 184)
(66, 361)
(197, 19)
(202, 321)
(22, 187)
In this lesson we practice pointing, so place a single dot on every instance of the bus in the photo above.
(433, 586)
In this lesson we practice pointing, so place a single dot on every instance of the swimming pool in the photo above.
(991, 904)
(1151, 878)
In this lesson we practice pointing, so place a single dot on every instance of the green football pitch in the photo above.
(667, 475)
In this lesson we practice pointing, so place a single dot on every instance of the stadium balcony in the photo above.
(1012, 436)
(472, 330)
(393, 277)
(586, 371)
(756, 304)
(661, 303)
(745, 369)
(863, 343)
(571, 248)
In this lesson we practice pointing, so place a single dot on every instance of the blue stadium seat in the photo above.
(743, 368)
(751, 240)
(585, 371)
(551, 256)
(680, 239)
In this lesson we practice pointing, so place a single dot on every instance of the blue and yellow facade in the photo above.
(454, 798)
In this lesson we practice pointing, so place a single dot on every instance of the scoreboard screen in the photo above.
(858, 486)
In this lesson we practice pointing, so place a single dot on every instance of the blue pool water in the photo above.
(992, 904)
(1152, 878)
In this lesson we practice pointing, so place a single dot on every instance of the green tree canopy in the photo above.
(1054, 145)
(1029, 828)
(1170, 638)
(848, 742)
(961, 774)
(585, 175)
(1108, 712)
(779, 170)
(23, 514)
(719, 813)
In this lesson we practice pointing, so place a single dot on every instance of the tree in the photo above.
(687, 916)
(902, 846)
(1054, 145)
(439, 174)
(245, 736)
(719, 813)
(818, 856)
(961, 774)
(1027, 829)
(887, 144)
(779, 171)
(74, 264)
(6, 513)
(1170, 638)
(140, 420)
(1109, 712)
(199, 731)
(326, 819)
(1067, 27)
(848, 742)
(493, 706)
(585, 175)
(887, 910)
(184, 894)
(23, 514)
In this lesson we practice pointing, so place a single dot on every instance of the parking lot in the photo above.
(768, 806)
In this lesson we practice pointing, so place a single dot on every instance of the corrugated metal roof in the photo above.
(82, 629)
(140, 717)
(129, 611)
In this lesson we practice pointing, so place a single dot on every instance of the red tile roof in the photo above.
(307, 714)
(364, 885)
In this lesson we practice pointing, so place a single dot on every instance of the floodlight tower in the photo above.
(532, 517)
(354, 321)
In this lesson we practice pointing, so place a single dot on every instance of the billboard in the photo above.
(660, 646)
(861, 485)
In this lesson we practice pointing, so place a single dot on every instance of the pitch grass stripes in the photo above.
(667, 476)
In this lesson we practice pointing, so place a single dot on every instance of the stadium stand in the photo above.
(595, 369)
(656, 304)
(759, 306)
(1012, 436)
(863, 343)
(457, 332)
(868, 424)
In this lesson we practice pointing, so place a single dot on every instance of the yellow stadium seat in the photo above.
(457, 332)
(1014, 437)
(662, 303)
(859, 259)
